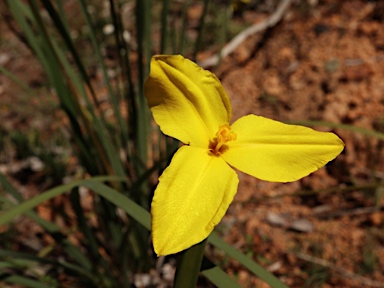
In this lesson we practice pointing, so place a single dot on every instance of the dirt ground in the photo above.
(323, 62)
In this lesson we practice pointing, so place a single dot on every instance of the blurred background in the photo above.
(72, 108)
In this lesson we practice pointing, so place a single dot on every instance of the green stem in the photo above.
(199, 39)
(188, 266)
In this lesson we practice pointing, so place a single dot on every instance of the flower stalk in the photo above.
(188, 266)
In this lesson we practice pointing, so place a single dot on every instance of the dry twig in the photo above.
(350, 212)
(242, 36)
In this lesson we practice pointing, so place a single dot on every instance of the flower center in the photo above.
(223, 135)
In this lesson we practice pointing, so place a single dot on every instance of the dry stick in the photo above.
(356, 211)
(240, 38)
(345, 272)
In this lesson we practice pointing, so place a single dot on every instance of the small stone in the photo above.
(4, 58)
(276, 219)
(302, 225)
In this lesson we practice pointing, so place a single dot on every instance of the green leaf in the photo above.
(16, 80)
(120, 200)
(24, 281)
(247, 262)
(220, 278)
(24, 207)
(50, 227)
(45, 260)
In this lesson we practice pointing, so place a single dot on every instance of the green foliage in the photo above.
(87, 270)
(22, 144)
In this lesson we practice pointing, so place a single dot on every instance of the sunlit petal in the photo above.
(274, 151)
(187, 102)
(193, 195)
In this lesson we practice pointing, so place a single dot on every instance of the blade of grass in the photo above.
(112, 96)
(173, 35)
(200, 32)
(27, 205)
(100, 128)
(143, 21)
(18, 11)
(225, 16)
(62, 15)
(42, 48)
(63, 29)
(16, 80)
(247, 262)
(60, 78)
(164, 27)
(65, 81)
(62, 263)
(220, 278)
(23, 281)
(120, 200)
(52, 228)
(91, 241)
(14, 263)
(126, 75)
(102, 142)
(184, 19)
(96, 129)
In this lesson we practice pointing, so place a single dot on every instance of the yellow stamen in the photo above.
(223, 135)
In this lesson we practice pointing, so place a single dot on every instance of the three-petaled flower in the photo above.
(195, 190)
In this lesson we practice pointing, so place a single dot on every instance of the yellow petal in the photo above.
(193, 195)
(274, 151)
(187, 102)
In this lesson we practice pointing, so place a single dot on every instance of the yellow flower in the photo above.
(195, 190)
